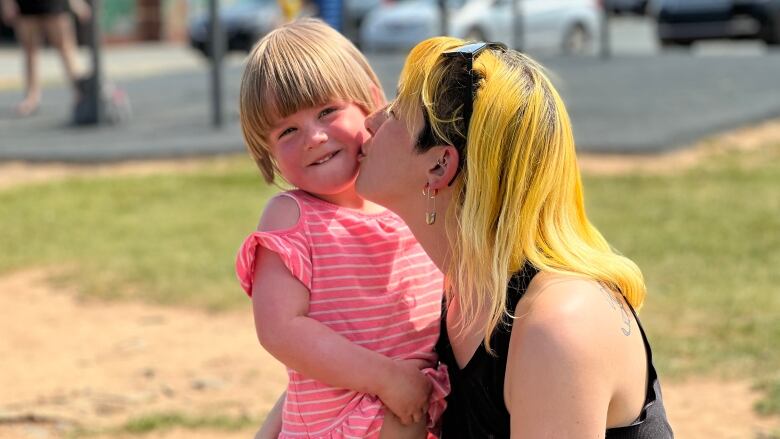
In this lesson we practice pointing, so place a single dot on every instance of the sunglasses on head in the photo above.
(469, 53)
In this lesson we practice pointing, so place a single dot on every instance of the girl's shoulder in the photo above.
(282, 212)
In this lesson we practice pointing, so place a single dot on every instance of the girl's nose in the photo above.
(317, 137)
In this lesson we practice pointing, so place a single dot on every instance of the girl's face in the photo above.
(390, 168)
(317, 148)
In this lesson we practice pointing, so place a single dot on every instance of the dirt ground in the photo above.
(66, 362)
(70, 363)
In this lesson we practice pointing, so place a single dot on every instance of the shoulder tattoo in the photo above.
(617, 304)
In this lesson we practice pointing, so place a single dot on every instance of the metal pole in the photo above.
(444, 17)
(216, 52)
(605, 39)
(517, 25)
(95, 85)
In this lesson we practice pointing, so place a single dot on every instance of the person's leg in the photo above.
(27, 30)
(61, 34)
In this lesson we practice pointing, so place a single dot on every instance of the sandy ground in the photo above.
(67, 362)
(70, 363)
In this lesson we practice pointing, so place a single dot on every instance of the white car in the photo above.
(568, 26)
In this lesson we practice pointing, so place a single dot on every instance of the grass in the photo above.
(165, 238)
(708, 242)
(707, 239)
(151, 422)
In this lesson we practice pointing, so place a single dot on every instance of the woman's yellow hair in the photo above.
(519, 198)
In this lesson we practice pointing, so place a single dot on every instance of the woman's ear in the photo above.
(377, 96)
(444, 166)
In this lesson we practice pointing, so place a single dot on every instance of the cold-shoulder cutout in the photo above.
(282, 231)
(281, 213)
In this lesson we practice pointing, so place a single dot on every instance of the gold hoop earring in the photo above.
(430, 204)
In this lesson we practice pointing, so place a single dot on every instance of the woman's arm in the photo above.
(560, 375)
(280, 305)
(272, 425)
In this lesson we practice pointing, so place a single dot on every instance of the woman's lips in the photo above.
(361, 153)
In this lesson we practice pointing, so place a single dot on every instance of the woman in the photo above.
(539, 334)
(30, 19)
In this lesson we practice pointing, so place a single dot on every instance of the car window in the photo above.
(450, 3)
(250, 2)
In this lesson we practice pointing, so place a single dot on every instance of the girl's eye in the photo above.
(286, 132)
(327, 111)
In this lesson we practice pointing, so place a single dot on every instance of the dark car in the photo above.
(683, 22)
(243, 22)
(626, 6)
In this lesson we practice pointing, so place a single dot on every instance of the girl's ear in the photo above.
(377, 95)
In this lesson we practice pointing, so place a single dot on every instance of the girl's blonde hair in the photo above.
(299, 65)
(519, 198)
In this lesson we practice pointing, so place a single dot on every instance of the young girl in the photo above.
(342, 293)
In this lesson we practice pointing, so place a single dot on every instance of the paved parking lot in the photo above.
(639, 101)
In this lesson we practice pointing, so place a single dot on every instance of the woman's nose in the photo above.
(371, 122)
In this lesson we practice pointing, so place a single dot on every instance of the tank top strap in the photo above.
(515, 290)
(518, 284)
(652, 376)
(648, 350)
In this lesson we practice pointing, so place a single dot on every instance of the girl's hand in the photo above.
(406, 391)
(10, 11)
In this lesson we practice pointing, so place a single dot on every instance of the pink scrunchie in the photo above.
(437, 402)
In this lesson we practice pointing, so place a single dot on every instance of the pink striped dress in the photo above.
(371, 282)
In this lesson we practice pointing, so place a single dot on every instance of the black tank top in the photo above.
(476, 409)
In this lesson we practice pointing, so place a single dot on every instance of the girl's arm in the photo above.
(272, 425)
(281, 303)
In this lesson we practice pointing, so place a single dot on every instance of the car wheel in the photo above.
(200, 47)
(669, 44)
(771, 34)
(475, 34)
(577, 40)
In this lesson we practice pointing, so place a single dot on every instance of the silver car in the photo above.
(243, 21)
(568, 26)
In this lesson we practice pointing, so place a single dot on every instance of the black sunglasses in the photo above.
(470, 52)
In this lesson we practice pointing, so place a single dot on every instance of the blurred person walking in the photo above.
(33, 18)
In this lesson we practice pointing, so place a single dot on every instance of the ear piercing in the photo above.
(430, 204)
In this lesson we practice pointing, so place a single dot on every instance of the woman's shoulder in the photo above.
(575, 318)
(569, 342)
(557, 295)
